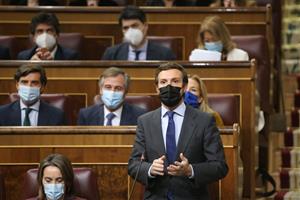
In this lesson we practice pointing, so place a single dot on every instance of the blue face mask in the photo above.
(191, 99)
(54, 191)
(112, 99)
(28, 94)
(214, 46)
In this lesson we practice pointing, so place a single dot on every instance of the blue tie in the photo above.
(170, 139)
(26, 121)
(109, 117)
(137, 55)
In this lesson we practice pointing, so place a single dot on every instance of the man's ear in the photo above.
(145, 28)
(157, 89)
(17, 85)
(42, 89)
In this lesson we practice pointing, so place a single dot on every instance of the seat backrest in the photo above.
(2, 187)
(85, 184)
(72, 41)
(228, 106)
(56, 100)
(173, 43)
(10, 43)
(257, 47)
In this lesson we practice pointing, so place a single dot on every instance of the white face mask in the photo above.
(45, 40)
(134, 36)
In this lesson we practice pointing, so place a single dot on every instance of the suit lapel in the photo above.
(151, 52)
(99, 116)
(125, 116)
(59, 54)
(42, 117)
(157, 132)
(187, 130)
(16, 114)
(123, 52)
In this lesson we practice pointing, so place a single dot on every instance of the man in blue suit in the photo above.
(30, 110)
(44, 29)
(178, 149)
(135, 45)
(113, 111)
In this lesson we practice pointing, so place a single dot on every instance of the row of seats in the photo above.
(85, 184)
(228, 105)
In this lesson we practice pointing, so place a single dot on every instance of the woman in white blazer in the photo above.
(215, 36)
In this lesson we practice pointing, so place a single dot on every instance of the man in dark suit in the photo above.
(135, 45)
(44, 29)
(177, 148)
(30, 110)
(113, 111)
(4, 53)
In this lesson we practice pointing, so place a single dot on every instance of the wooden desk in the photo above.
(101, 29)
(74, 77)
(105, 149)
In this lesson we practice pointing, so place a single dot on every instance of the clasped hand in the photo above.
(42, 54)
(182, 168)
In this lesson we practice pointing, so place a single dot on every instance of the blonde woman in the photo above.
(196, 96)
(214, 36)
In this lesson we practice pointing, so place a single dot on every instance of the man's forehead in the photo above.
(31, 75)
(129, 22)
(170, 74)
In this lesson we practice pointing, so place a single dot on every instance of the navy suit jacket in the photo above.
(154, 52)
(94, 115)
(61, 54)
(4, 53)
(10, 115)
(200, 143)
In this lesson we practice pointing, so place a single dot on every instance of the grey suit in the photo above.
(200, 143)
(154, 52)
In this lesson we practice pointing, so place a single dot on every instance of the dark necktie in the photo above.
(170, 139)
(137, 55)
(26, 121)
(109, 117)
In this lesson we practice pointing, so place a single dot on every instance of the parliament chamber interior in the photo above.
(258, 99)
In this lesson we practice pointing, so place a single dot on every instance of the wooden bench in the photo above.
(100, 25)
(105, 149)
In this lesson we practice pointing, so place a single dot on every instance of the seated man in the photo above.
(113, 84)
(135, 45)
(30, 110)
(4, 53)
(44, 29)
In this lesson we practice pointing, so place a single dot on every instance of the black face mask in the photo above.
(170, 95)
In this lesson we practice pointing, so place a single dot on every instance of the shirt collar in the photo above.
(35, 106)
(142, 49)
(179, 110)
(117, 112)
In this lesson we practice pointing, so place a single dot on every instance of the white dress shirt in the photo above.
(142, 55)
(33, 115)
(117, 119)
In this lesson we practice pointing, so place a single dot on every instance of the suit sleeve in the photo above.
(137, 153)
(215, 167)
(5, 55)
(170, 55)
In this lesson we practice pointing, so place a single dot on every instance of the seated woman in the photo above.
(196, 96)
(215, 36)
(232, 3)
(55, 179)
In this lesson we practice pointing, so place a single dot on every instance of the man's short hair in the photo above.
(44, 18)
(113, 72)
(172, 65)
(24, 70)
(132, 12)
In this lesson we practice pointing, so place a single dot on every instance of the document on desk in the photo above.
(205, 55)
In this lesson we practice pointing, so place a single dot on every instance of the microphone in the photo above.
(136, 175)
